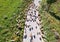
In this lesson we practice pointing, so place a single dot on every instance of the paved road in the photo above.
(32, 32)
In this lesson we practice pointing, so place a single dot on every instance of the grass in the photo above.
(9, 12)
(49, 21)
(55, 8)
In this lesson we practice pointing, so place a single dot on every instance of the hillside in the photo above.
(11, 11)
(13, 16)
(50, 14)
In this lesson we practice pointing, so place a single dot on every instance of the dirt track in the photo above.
(32, 32)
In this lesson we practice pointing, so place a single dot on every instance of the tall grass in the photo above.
(49, 22)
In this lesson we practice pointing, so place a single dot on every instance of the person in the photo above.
(31, 39)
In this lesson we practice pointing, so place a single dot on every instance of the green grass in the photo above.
(9, 12)
(55, 7)
(7, 8)
(50, 22)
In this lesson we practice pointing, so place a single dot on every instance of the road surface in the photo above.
(32, 32)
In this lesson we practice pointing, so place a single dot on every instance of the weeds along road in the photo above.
(32, 32)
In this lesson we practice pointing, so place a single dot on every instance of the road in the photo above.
(32, 32)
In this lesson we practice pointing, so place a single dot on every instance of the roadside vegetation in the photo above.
(12, 19)
(50, 14)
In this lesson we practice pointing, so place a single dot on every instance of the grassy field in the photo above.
(9, 12)
(50, 21)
